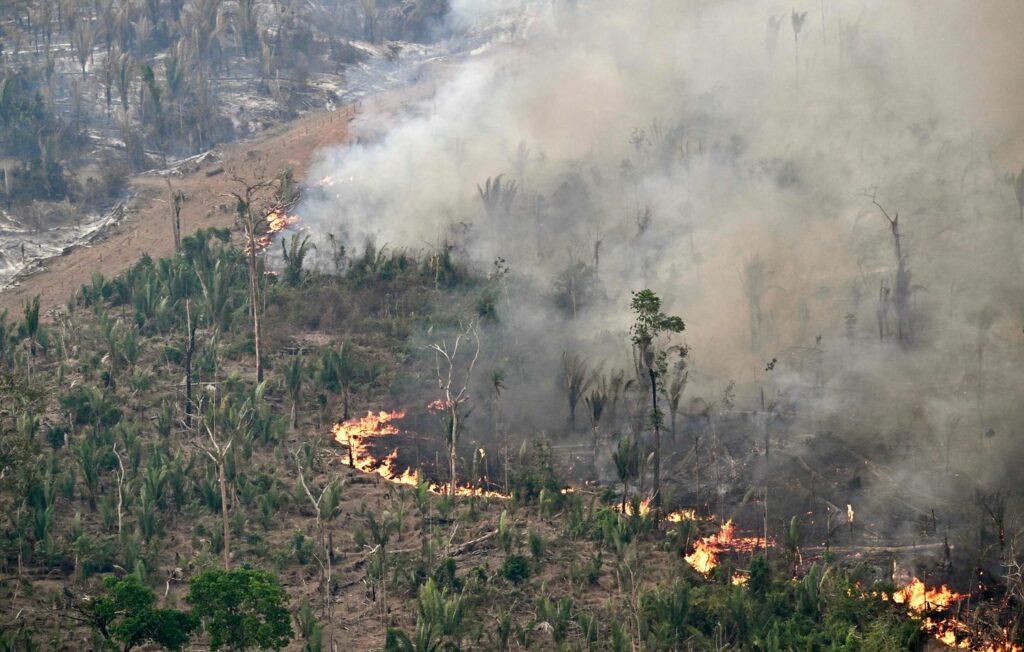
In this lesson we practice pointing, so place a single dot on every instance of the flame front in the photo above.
(920, 599)
(704, 557)
(357, 434)
(360, 433)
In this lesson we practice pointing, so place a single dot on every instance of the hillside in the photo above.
(423, 325)
(107, 474)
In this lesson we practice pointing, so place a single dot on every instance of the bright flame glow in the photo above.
(920, 599)
(277, 221)
(359, 435)
(704, 557)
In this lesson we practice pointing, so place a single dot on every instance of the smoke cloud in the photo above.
(728, 155)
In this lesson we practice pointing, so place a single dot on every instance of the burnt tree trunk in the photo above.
(656, 420)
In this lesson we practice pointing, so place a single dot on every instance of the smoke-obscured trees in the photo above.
(898, 294)
(576, 379)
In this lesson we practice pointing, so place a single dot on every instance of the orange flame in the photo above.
(704, 557)
(918, 597)
(277, 221)
(952, 632)
(439, 405)
(677, 516)
(358, 434)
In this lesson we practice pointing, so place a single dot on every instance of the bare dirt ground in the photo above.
(147, 227)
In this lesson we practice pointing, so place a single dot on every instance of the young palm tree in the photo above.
(293, 380)
(676, 387)
(627, 464)
(576, 380)
(595, 403)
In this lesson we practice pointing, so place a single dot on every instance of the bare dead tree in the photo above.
(453, 379)
(218, 451)
(900, 291)
(255, 198)
(771, 37)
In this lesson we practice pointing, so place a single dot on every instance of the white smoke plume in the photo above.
(726, 154)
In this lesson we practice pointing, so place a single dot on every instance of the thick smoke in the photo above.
(709, 152)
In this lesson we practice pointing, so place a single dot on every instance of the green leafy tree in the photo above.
(651, 324)
(241, 609)
(125, 617)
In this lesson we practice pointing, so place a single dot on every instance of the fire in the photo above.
(677, 516)
(439, 405)
(704, 557)
(918, 597)
(849, 513)
(276, 221)
(358, 435)
(681, 515)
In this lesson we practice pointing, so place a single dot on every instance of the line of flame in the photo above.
(358, 433)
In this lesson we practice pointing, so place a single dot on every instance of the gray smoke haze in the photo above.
(707, 153)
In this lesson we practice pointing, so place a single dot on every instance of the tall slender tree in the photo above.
(650, 326)
(254, 199)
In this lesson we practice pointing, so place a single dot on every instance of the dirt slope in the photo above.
(147, 228)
